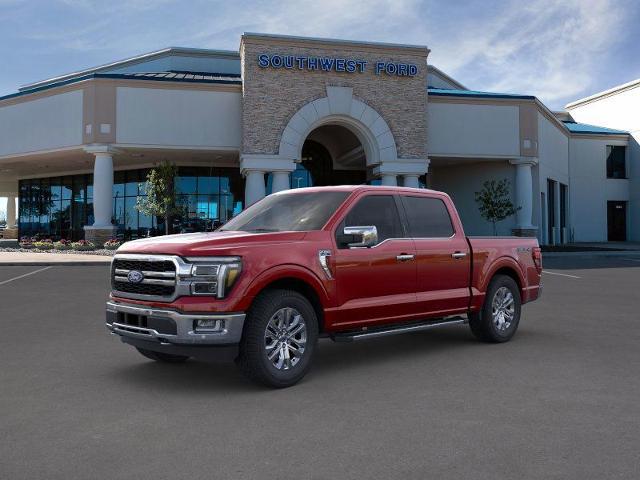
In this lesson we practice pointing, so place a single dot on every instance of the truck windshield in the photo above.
(288, 212)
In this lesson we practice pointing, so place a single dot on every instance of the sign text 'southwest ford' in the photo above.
(332, 64)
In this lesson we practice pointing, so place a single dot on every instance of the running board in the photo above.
(395, 330)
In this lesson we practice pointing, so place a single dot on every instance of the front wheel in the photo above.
(499, 317)
(279, 339)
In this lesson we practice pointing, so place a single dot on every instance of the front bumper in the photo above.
(168, 327)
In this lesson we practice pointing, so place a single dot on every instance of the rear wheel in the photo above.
(499, 317)
(162, 357)
(279, 339)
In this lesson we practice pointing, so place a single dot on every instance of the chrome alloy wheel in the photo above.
(285, 338)
(503, 309)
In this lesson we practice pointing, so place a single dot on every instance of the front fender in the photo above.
(280, 272)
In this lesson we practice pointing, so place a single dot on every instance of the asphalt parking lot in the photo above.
(559, 401)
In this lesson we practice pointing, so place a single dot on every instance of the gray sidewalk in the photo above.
(35, 259)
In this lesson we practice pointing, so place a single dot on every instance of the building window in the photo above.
(209, 198)
(616, 161)
(59, 207)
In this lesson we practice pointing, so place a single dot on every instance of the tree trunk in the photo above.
(495, 229)
(166, 225)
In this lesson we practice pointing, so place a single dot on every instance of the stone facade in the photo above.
(272, 96)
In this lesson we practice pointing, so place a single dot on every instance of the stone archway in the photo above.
(339, 107)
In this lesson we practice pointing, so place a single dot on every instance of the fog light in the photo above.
(204, 288)
(209, 325)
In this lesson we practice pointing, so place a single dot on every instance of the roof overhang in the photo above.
(145, 57)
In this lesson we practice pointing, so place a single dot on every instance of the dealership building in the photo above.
(288, 112)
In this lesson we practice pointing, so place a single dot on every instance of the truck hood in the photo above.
(209, 243)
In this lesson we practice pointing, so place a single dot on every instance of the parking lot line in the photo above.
(561, 274)
(25, 275)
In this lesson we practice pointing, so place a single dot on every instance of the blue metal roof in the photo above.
(585, 128)
(188, 77)
(444, 92)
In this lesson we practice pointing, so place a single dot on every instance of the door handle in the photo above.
(404, 257)
(458, 255)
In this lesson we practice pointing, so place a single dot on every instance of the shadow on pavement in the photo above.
(586, 262)
(331, 360)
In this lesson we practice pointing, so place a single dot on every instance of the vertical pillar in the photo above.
(411, 181)
(254, 187)
(389, 180)
(11, 211)
(102, 229)
(280, 181)
(103, 190)
(524, 196)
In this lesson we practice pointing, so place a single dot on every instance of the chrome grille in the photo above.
(159, 277)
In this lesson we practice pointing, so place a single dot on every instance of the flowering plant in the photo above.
(43, 244)
(26, 242)
(62, 244)
(112, 244)
(83, 245)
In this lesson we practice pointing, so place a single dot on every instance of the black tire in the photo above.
(482, 323)
(162, 357)
(253, 357)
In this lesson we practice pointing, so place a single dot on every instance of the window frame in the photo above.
(606, 163)
(340, 225)
(454, 230)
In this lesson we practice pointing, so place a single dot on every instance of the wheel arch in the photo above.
(298, 279)
(509, 267)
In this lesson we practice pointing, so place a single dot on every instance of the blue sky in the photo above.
(557, 50)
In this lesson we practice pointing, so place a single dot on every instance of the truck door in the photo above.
(443, 257)
(376, 284)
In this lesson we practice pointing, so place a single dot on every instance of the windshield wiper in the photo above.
(262, 230)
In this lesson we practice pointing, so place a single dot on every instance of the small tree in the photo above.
(494, 202)
(161, 199)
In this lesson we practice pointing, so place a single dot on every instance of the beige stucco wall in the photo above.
(272, 96)
(460, 129)
(45, 123)
(178, 117)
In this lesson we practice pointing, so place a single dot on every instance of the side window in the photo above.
(427, 217)
(377, 210)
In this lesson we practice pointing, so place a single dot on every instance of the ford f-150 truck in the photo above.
(347, 263)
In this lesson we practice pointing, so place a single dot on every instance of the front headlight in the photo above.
(213, 276)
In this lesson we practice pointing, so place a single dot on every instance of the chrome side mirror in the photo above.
(360, 236)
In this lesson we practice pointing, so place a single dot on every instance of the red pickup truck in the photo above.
(348, 263)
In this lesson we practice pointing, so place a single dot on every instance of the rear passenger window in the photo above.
(427, 217)
(377, 210)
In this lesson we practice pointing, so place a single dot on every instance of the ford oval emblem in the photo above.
(135, 276)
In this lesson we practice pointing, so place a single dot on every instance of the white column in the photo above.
(103, 189)
(389, 180)
(11, 211)
(524, 192)
(254, 187)
(411, 181)
(280, 181)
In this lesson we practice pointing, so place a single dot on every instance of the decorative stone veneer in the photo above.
(272, 96)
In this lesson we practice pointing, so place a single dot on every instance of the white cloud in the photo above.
(547, 48)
